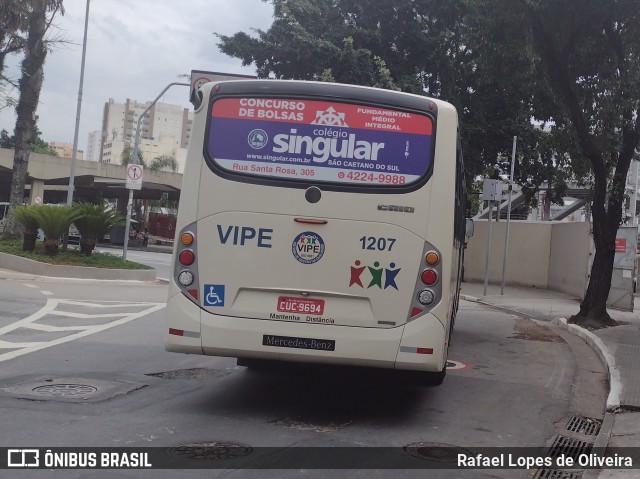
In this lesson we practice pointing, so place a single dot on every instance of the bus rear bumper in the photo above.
(418, 345)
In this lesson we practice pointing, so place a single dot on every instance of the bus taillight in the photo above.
(425, 299)
(432, 258)
(429, 277)
(185, 271)
(185, 278)
(186, 257)
(186, 239)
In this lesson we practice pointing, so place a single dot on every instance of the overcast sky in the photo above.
(134, 49)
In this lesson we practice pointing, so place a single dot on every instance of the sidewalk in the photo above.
(620, 346)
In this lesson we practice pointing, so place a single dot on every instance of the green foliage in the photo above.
(37, 145)
(164, 162)
(422, 47)
(94, 221)
(70, 257)
(126, 156)
(54, 220)
(26, 215)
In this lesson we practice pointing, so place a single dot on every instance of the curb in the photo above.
(474, 299)
(36, 268)
(615, 384)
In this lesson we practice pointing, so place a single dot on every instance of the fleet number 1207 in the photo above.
(377, 244)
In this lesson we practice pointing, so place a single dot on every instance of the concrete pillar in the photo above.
(37, 192)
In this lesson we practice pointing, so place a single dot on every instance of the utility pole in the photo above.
(135, 161)
(74, 153)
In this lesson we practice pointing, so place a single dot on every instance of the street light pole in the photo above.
(134, 160)
(74, 154)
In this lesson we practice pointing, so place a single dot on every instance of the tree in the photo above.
(586, 56)
(35, 51)
(13, 20)
(37, 145)
(126, 156)
(418, 46)
(164, 162)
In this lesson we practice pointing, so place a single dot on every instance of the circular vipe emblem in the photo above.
(257, 139)
(308, 247)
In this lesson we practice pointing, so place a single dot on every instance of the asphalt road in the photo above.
(515, 384)
(160, 261)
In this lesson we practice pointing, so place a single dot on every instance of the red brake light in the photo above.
(186, 257)
(429, 277)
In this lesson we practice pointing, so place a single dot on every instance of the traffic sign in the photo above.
(134, 177)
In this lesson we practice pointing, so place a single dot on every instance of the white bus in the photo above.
(319, 223)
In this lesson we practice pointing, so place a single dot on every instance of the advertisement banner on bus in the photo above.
(319, 140)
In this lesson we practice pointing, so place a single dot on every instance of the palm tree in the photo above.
(39, 17)
(54, 221)
(93, 222)
(25, 215)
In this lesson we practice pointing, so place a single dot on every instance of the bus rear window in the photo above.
(319, 141)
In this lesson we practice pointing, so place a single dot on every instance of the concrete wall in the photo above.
(527, 259)
(569, 258)
(550, 255)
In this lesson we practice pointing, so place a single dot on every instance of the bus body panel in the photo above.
(241, 337)
(255, 257)
(247, 235)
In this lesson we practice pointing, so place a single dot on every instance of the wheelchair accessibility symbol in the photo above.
(214, 295)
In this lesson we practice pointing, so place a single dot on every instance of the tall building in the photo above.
(165, 130)
(94, 143)
(65, 150)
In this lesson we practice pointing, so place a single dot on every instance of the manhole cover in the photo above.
(436, 452)
(65, 390)
(215, 451)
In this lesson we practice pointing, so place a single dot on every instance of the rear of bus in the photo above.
(316, 224)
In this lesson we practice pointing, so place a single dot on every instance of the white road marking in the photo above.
(29, 285)
(47, 293)
(81, 330)
(46, 309)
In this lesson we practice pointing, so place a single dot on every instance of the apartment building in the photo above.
(165, 130)
(94, 144)
(65, 150)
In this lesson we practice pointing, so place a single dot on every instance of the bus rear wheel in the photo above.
(425, 378)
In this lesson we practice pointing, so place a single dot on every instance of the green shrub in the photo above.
(94, 221)
(26, 216)
(54, 220)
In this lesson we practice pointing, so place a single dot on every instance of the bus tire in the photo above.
(422, 379)
(434, 379)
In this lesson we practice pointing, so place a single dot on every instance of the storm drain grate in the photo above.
(569, 447)
(436, 452)
(583, 425)
(556, 474)
(212, 451)
(65, 390)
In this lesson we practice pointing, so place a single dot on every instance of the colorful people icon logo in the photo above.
(356, 272)
(376, 272)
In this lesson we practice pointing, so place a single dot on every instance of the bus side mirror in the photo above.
(469, 228)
